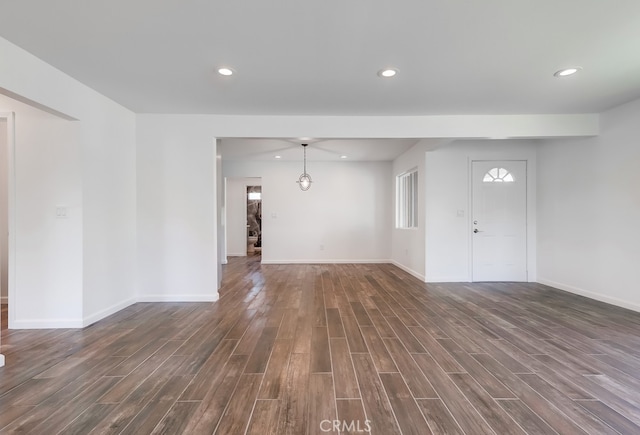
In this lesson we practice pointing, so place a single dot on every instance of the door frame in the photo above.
(531, 233)
(245, 182)
(11, 209)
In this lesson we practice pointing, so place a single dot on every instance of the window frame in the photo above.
(407, 200)
(489, 177)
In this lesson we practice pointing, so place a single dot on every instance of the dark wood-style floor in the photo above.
(290, 349)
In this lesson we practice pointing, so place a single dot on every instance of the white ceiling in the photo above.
(317, 150)
(321, 57)
(292, 57)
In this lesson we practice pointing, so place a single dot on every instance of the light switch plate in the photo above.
(61, 212)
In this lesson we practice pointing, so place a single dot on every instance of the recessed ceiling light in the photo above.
(567, 71)
(225, 71)
(387, 72)
(343, 157)
(278, 157)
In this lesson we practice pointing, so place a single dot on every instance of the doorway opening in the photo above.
(244, 227)
(254, 220)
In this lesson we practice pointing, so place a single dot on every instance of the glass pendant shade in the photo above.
(304, 181)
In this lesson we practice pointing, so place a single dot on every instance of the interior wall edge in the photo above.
(410, 271)
(95, 317)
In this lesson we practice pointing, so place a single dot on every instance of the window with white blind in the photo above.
(407, 199)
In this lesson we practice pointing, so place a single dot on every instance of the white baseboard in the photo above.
(89, 320)
(47, 324)
(591, 295)
(408, 270)
(93, 318)
(327, 261)
(436, 279)
(1, 360)
(179, 298)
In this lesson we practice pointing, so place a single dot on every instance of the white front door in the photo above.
(499, 215)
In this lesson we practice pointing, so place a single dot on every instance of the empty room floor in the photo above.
(316, 349)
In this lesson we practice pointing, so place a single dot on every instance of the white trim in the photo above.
(245, 214)
(237, 254)
(6, 116)
(406, 200)
(591, 295)
(11, 193)
(220, 224)
(179, 298)
(326, 261)
(437, 279)
(93, 318)
(48, 324)
(9, 116)
(412, 272)
(89, 320)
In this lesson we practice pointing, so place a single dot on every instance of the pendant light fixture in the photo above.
(305, 179)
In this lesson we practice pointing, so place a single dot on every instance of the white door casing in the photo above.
(499, 220)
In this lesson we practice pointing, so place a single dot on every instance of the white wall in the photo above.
(176, 172)
(447, 185)
(69, 272)
(4, 210)
(344, 217)
(176, 210)
(48, 257)
(109, 210)
(236, 213)
(408, 245)
(589, 210)
(168, 215)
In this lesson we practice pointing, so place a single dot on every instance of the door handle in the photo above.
(477, 231)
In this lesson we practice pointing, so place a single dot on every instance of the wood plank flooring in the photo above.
(315, 349)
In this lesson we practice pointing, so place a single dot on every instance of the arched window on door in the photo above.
(498, 175)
